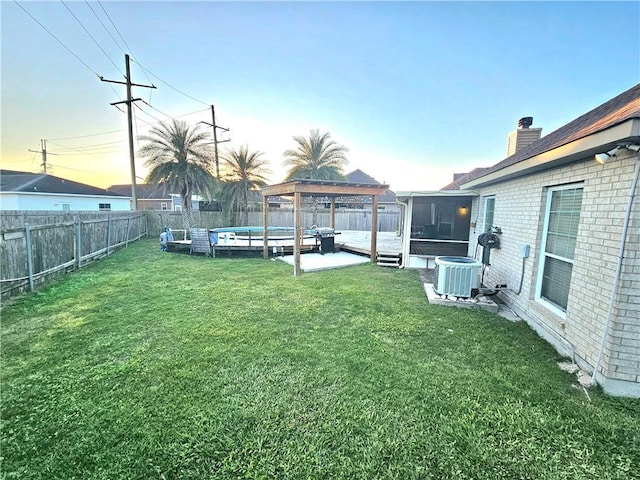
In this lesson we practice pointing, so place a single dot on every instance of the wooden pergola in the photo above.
(313, 188)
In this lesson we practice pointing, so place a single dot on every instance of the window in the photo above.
(558, 245)
(489, 209)
(65, 206)
(104, 207)
(177, 208)
(163, 206)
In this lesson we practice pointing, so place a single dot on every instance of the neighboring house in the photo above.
(386, 201)
(255, 201)
(40, 191)
(569, 231)
(149, 196)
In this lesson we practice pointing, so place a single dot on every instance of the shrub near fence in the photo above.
(29, 254)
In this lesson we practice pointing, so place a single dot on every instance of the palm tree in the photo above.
(244, 171)
(178, 156)
(317, 157)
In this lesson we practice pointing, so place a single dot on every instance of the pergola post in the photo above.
(374, 228)
(332, 213)
(297, 240)
(265, 227)
(300, 188)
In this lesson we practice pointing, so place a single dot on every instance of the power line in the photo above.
(95, 145)
(125, 43)
(157, 110)
(89, 135)
(96, 154)
(57, 39)
(173, 116)
(91, 36)
(171, 86)
(75, 169)
(104, 26)
(147, 113)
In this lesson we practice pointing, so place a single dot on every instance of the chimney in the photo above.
(523, 136)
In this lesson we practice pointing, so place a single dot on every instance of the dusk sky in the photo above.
(415, 90)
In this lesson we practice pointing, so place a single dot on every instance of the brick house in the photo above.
(570, 237)
(569, 233)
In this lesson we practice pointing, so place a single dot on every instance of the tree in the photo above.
(178, 156)
(244, 171)
(317, 157)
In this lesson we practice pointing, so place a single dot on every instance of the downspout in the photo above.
(407, 221)
(616, 280)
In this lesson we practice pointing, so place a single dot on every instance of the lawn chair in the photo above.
(200, 241)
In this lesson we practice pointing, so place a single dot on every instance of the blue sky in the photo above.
(415, 90)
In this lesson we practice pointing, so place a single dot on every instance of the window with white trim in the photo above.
(559, 236)
(489, 210)
(163, 206)
(104, 207)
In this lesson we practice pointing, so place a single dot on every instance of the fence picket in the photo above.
(57, 242)
(27, 237)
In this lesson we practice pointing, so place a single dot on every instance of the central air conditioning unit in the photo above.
(457, 276)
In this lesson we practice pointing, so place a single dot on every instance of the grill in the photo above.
(326, 235)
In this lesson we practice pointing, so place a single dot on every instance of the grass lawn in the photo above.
(149, 365)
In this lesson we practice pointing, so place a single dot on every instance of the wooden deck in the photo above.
(360, 242)
(349, 241)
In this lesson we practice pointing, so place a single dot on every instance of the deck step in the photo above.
(392, 260)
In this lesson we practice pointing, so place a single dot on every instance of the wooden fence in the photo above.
(279, 217)
(31, 253)
(35, 245)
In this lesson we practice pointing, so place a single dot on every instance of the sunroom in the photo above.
(434, 223)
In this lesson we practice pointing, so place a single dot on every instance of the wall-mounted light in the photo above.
(633, 147)
(603, 158)
(463, 210)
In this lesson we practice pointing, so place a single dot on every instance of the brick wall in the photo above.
(519, 211)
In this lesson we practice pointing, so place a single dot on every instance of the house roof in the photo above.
(460, 179)
(358, 176)
(619, 109)
(27, 182)
(143, 190)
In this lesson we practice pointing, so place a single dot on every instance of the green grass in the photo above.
(150, 365)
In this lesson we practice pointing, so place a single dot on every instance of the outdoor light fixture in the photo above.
(463, 210)
(633, 147)
(603, 158)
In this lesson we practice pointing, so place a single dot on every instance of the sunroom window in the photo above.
(558, 245)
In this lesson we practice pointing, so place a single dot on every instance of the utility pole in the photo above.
(43, 151)
(129, 101)
(215, 138)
